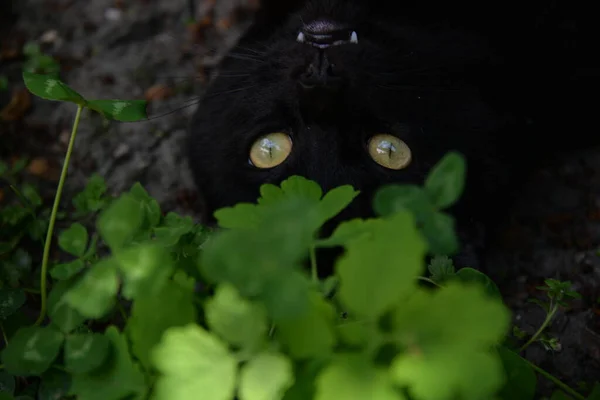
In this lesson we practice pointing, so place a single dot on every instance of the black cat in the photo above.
(374, 92)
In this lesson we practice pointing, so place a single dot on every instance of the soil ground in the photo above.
(135, 48)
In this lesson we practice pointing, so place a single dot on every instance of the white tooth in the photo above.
(353, 37)
(300, 37)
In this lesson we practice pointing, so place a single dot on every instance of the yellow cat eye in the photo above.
(389, 151)
(270, 150)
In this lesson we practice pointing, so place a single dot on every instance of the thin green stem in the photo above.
(3, 334)
(61, 183)
(313, 264)
(428, 280)
(549, 316)
(563, 386)
(22, 199)
(122, 311)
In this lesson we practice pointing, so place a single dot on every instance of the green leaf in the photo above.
(174, 227)
(120, 110)
(6, 396)
(335, 201)
(120, 378)
(62, 315)
(395, 250)
(91, 199)
(304, 383)
(348, 231)
(242, 215)
(7, 383)
(354, 333)
(51, 88)
(286, 294)
(469, 275)
(66, 271)
(390, 199)
(449, 375)
(95, 294)
(145, 269)
(448, 334)
(266, 377)
(32, 195)
(270, 194)
(441, 269)
(193, 361)
(300, 187)
(74, 240)
(352, 377)
(85, 352)
(310, 335)
(18, 268)
(153, 314)
(235, 319)
(55, 385)
(148, 204)
(521, 380)
(438, 229)
(32, 350)
(120, 222)
(10, 301)
(446, 181)
(280, 242)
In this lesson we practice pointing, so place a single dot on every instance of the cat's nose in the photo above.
(324, 33)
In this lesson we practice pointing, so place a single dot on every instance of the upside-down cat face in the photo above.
(342, 92)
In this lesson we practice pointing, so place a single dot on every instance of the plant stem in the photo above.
(61, 183)
(428, 280)
(549, 316)
(4, 335)
(563, 386)
(313, 264)
(122, 311)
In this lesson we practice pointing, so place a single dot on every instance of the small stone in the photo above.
(113, 14)
(121, 150)
(50, 36)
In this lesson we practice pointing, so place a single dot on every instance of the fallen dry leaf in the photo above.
(225, 23)
(158, 92)
(44, 168)
(18, 106)
(38, 166)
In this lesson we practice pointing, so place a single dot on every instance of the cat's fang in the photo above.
(354, 37)
(300, 38)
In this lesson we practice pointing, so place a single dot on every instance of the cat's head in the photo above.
(341, 92)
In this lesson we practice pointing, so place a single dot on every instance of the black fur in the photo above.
(493, 80)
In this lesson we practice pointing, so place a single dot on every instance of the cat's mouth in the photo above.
(325, 33)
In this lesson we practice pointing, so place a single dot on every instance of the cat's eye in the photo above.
(270, 150)
(389, 151)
